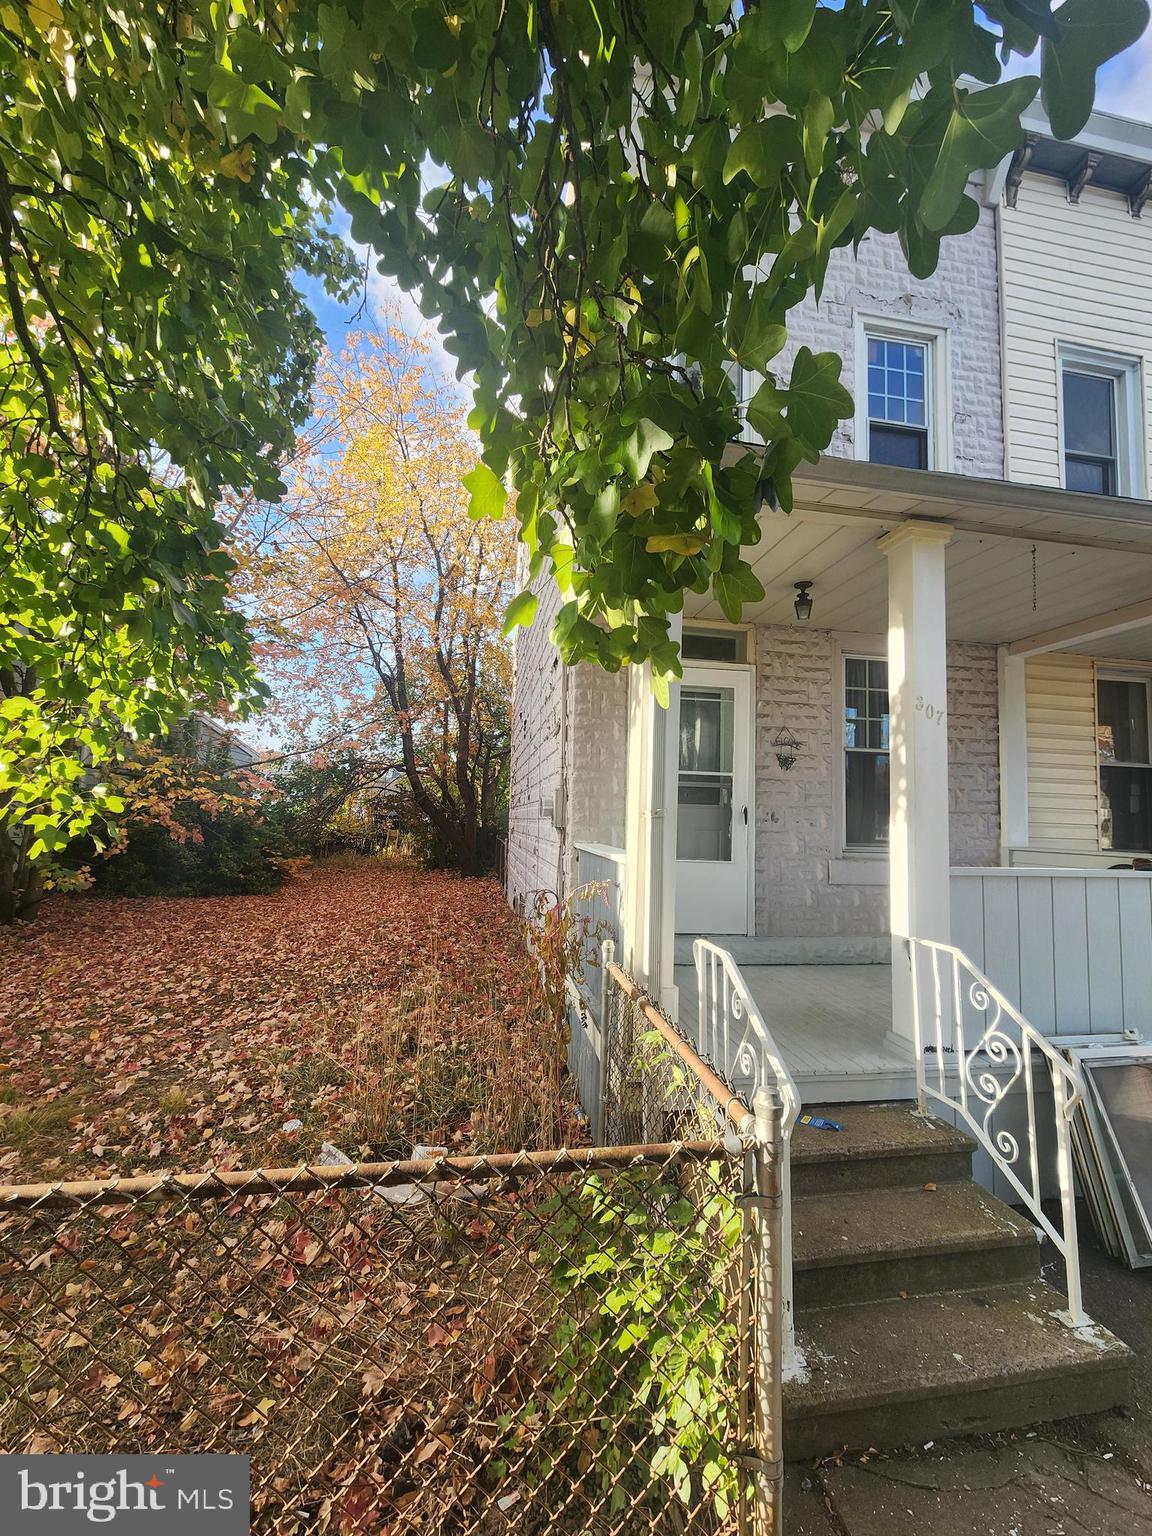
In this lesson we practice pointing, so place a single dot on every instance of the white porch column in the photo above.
(1013, 713)
(650, 835)
(918, 742)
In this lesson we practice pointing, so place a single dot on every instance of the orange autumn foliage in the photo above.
(379, 602)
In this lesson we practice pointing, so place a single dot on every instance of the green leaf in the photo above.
(645, 439)
(732, 589)
(766, 410)
(521, 610)
(818, 119)
(816, 398)
(1088, 34)
(487, 494)
(763, 334)
(983, 127)
(247, 108)
(762, 150)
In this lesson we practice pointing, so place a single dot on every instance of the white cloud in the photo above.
(1125, 85)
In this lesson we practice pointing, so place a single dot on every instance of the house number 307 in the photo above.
(929, 711)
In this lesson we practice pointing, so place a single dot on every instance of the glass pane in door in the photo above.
(704, 818)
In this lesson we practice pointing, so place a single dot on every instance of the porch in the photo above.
(942, 699)
(831, 1023)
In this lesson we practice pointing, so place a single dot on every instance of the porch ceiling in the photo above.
(1092, 555)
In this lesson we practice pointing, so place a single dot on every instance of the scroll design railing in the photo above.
(975, 1054)
(733, 1037)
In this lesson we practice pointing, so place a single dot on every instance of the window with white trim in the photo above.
(1123, 713)
(1101, 428)
(899, 402)
(866, 725)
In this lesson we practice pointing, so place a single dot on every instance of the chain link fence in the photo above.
(555, 1342)
(546, 1342)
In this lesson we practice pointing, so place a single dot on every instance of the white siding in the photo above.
(1063, 814)
(1073, 272)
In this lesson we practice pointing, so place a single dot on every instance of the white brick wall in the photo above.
(598, 749)
(962, 296)
(569, 749)
(535, 845)
(797, 810)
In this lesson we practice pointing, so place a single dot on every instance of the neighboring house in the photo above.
(207, 737)
(934, 730)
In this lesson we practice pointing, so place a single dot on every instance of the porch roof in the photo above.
(1026, 560)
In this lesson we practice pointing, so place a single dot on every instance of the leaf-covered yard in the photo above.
(379, 1005)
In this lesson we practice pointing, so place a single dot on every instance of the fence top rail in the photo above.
(734, 1108)
(310, 1178)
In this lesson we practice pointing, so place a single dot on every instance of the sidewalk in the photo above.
(1081, 1475)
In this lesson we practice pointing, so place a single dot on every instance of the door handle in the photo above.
(745, 815)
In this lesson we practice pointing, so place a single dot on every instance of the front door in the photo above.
(713, 815)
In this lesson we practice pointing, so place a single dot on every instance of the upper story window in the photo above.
(1125, 761)
(1089, 432)
(866, 721)
(902, 412)
(1100, 418)
(898, 402)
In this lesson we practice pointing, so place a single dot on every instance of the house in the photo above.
(909, 797)
(960, 700)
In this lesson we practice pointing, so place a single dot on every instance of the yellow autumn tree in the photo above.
(379, 604)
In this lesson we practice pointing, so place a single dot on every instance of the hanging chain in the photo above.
(1033, 578)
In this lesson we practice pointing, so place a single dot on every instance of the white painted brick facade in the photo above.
(599, 749)
(798, 830)
(535, 858)
(962, 296)
(569, 755)
(569, 727)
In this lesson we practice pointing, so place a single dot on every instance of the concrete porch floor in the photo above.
(832, 1025)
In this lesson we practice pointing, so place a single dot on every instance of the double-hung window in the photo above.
(1100, 413)
(866, 720)
(899, 402)
(1125, 761)
(1090, 446)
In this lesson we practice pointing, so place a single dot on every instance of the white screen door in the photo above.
(713, 813)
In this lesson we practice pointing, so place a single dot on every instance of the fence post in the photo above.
(768, 1278)
(607, 1028)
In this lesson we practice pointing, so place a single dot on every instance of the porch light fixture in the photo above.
(803, 604)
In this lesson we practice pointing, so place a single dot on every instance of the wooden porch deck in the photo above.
(832, 1024)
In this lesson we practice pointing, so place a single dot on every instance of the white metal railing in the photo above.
(976, 1055)
(732, 1036)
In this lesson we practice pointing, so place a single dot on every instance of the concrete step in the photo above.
(866, 1245)
(882, 1146)
(893, 1373)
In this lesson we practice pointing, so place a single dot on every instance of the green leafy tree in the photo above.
(153, 353)
(634, 196)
